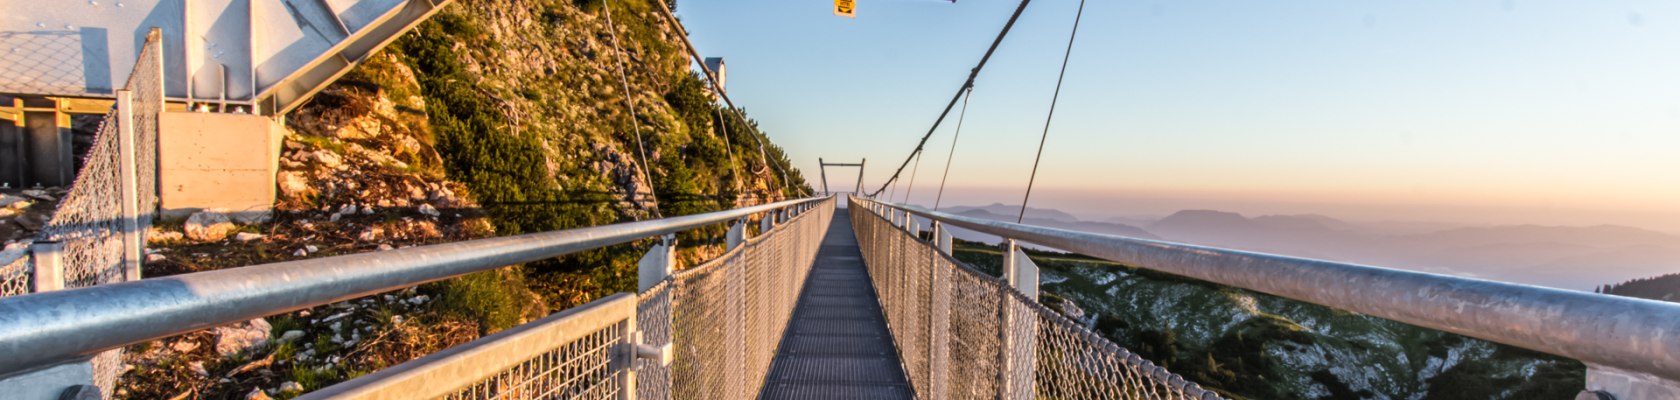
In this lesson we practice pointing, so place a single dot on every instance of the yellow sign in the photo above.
(845, 8)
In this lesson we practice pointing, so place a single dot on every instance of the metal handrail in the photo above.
(44, 329)
(439, 374)
(1619, 332)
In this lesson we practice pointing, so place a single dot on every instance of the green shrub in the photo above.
(490, 298)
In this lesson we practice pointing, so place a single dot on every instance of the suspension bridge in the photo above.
(815, 298)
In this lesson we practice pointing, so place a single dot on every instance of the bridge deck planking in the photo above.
(837, 345)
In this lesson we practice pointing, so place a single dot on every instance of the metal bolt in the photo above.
(1594, 395)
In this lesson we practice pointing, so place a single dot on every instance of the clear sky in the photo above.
(1551, 112)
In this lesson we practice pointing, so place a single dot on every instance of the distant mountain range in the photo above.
(1000, 209)
(1049, 218)
(1571, 257)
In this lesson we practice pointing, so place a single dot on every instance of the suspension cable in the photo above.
(960, 117)
(630, 104)
(912, 185)
(1058, 94)
(954, 97)
(711, 76)
(723, 129)
(894, 192)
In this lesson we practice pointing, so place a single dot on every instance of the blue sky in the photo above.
(1553, 112)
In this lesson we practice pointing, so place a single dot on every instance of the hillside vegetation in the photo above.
(492, 118)
(1663, 288)
(1248, 345)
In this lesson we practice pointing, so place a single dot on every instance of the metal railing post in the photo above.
(1020, 271)
(939, 317)
(127, 180)
(737, 234)
(657, 264)
(48, 258)
(628, 351)
(942, 237)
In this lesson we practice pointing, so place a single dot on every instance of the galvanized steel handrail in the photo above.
(1619, 332)
(44, 329)
(439, 374)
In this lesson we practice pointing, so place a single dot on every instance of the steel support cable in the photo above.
(1052, 114)
(723, 130)
(963, 115)
(954, 97)
(630, 104)
(671, 20)
(894, 193)
(912, 185)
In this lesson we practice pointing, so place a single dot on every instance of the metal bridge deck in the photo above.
(837, 345)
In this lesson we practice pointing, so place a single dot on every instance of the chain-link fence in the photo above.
(15, 272)
(89, 222)
(965, 334)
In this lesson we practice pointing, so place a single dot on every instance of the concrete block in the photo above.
(213, 160)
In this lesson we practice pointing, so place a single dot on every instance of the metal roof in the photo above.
(269, 52)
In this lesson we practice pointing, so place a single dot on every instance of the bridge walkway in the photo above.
(837, 345)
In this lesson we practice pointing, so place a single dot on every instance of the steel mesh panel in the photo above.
(727, 316)
(581, 369)
(147, 83)
(88, 222)
(965, 334)
(15, 276)
(653, 318)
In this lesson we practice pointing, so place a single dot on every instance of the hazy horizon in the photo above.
(1101, 205)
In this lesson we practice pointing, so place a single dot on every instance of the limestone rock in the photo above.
(327, 159)
(41, 195)
(155, 236)
(236, 338)
(209, 226)
(371, 234)
(247, 236)
(293, 184)
(13, 202)
(251, 217)
(291, 335)
(429, 210)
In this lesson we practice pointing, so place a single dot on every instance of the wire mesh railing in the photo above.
(707, 332)
(964, 334)
(15, 273)
(728, 315)
(87, 229)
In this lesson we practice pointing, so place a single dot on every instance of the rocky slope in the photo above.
(493, 118)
